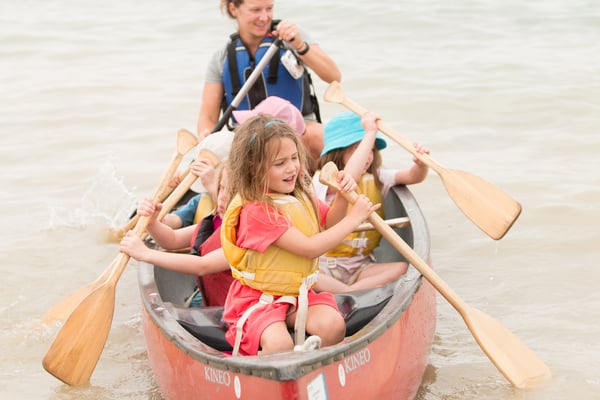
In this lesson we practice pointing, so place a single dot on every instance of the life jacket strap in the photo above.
(263, 300)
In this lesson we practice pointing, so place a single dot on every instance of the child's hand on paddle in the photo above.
(345, 182)
(205, 170)
(175, 181)
(421, 150)
(148, 209)
(132, 245)
(369, 122)
(362, 208)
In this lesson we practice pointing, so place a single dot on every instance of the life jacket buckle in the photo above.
(360, 243)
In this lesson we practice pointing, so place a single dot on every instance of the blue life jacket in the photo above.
(275, 80)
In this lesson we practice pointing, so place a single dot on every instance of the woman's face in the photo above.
(253, 17)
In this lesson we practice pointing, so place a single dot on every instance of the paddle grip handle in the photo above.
(388, 131)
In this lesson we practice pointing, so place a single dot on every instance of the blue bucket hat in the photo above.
(344, 130)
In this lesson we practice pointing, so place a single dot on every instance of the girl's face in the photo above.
(223, 196)
(350, 150)
(253, 17)
(283, 172)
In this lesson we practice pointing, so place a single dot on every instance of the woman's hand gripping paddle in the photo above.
(492, 210)
(519, 365)
(75, 351)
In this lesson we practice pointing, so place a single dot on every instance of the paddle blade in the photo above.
(186, 141)
(76, 349)
(488, 207)
(61, 310)
(519, 365)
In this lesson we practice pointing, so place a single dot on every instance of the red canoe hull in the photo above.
(391, 367)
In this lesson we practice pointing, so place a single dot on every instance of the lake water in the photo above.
(93, 93)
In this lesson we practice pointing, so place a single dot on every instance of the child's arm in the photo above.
(313, 246)
(358, 160)
(184, 215)
(212, 262)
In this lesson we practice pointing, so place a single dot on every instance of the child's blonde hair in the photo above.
(255, 146)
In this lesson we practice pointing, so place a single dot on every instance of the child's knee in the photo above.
(331, 328)
(276, 339)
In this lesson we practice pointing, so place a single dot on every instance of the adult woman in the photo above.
(255, 33)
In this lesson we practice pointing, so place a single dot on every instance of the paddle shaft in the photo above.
(400, 245)
(407, 145)
(273, 48)
(519, 365)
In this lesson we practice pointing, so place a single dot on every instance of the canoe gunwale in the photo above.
(289, 365)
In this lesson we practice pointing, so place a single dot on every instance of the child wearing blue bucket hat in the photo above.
(354, 145)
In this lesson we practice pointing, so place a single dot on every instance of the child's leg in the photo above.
(275, 338)
(327, 323)
(327, 283)
(379, 274)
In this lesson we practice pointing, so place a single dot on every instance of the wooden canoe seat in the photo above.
(207, 325)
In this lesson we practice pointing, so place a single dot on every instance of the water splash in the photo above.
(107, 202)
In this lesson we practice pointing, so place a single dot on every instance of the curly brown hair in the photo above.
(255, 145)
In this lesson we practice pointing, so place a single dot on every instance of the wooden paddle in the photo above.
(75, 351)
(519, 365)
(488, 207)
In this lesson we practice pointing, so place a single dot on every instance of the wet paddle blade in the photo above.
(519, 365)
(76, 349)
(63, 309)
(488, 207)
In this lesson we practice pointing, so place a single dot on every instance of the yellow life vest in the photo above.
(361, 242)
(205, 206)
(276, 271)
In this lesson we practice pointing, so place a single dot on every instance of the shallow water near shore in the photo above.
(93, 94)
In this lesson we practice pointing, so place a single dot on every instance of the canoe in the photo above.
(389, 332)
